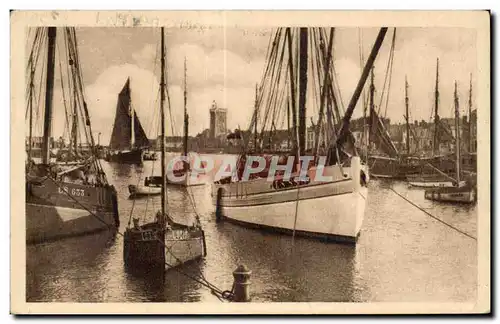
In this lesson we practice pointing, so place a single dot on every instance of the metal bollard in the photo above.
(219, 214)
(241, 284)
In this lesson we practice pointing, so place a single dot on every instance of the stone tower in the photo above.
(218, 122)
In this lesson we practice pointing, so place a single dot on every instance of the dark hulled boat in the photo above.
(392, 165)
(128, 139)
(63, 199)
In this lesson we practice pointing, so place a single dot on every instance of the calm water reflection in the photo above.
(402, 255)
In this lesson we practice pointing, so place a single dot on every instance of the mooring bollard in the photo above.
(219, 213)
(241, 284)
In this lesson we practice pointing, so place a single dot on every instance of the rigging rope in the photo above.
(393, 46)
(388, 71)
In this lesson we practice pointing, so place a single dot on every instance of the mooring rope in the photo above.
(434, 217)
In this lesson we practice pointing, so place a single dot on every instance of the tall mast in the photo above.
(457, 133)
(256, 119)
(470, 114)
(407, 118)
(74, 131)
(436, 115)
(293, 104)
(359, 87)
(324, 91)
(32, 87)
(162, 113)
(303, 64)
(49, 95)
(371, 99)
(288, 122)
(186, 117)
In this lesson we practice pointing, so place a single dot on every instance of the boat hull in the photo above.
(51, 214)
(331, 211)
(127, 157)
(143, 191)
(431, 184)
(391, 168)
(432, 181)
(151, 248)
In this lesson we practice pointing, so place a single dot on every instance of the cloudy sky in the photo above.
(224, 64)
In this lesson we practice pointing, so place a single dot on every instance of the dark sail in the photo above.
(121, 135)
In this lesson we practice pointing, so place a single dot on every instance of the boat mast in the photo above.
(293, 104)
(324, 91)
(372, 104)
(32, 87)
(407, 117)
(359, 87)
(288, 122)
(74, 134)
(457, 133)
(436, 115)
(162, 113)
(132, 128)
(49, 95)
(186, 117)
(303, 64)
(470, 114)
(256, 118)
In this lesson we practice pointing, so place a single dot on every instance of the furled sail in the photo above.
(380, 136)
(121, 136)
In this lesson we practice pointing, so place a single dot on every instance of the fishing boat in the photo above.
(63, 199)
(432, 180)
(462, 192)
(163, 243)
(331, 210)
(393, 165)
(128, 139)
(435, 169)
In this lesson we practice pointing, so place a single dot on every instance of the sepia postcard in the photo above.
(250, 162)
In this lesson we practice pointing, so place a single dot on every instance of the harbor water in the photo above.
(402, 254)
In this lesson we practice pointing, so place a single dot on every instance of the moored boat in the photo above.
(433, 180)
(182, 174)
(128, 139)
(256, 203)
(73, 197)
(163, 243)
(463, 192)
(331, 209)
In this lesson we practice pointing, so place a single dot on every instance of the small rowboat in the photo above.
(465, 194)
(432, 181)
